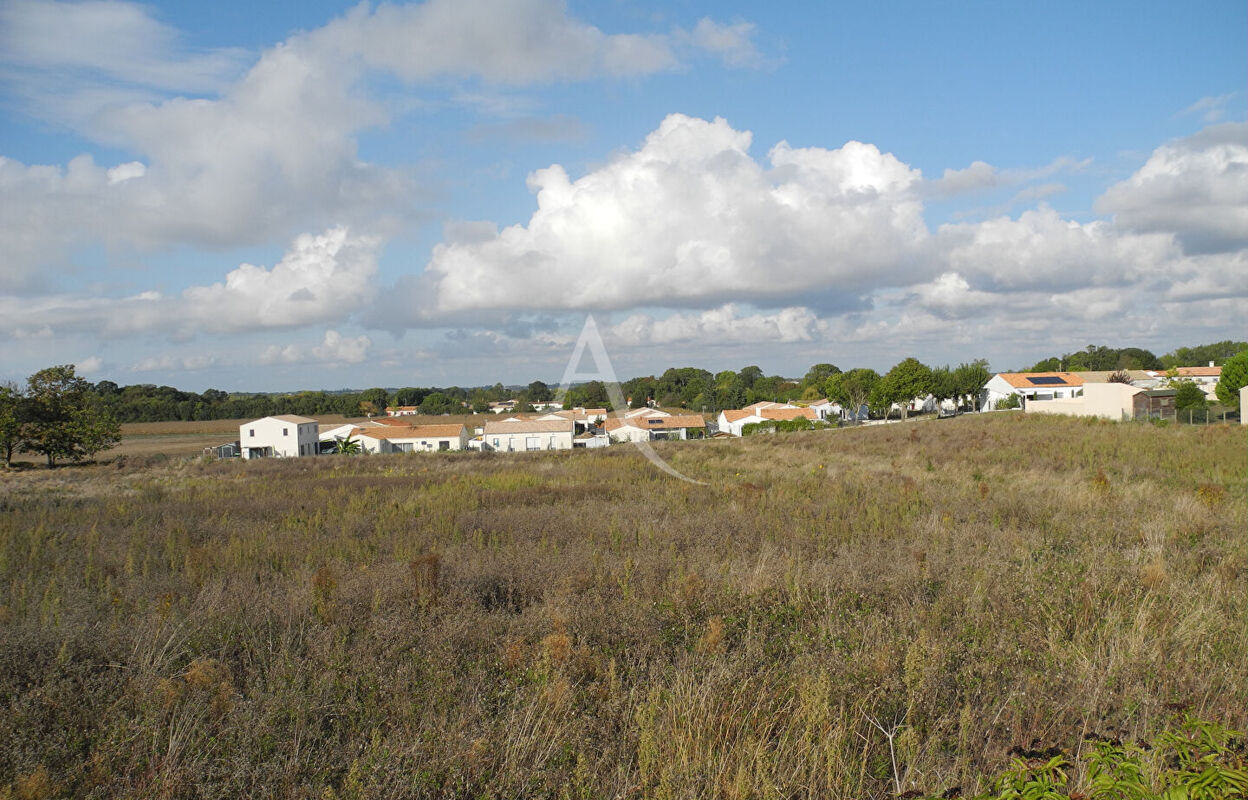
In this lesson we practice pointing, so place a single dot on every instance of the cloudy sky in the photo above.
(319, 195)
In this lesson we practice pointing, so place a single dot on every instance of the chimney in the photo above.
(1211, 363)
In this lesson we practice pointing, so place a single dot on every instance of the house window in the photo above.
(251, 432)
(444, 445)
(285, 431)
(533, 443)
(496, 441)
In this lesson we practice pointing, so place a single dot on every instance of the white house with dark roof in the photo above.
(1029, 386)
(284, 436)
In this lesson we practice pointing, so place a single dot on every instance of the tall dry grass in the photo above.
(577, 624)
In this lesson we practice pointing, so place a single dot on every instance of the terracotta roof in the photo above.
(1200, 372)
(646, 412)
(293, 418)
(446, 431)
(1022, 380)
(761, 404)
(529, 426)
(788, 413)
(392, 422)
(734, 414)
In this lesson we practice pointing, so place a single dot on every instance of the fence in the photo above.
(1190, 416)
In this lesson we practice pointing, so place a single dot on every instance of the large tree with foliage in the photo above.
(1199, 356)
(438, 403)
(851, 390)
(817, 375)
(906, 381)
(538, 392)
(970, 379)
(10, 421)
(1234, 375)
(63, 419)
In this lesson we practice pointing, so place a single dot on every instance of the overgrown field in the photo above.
(580, 625)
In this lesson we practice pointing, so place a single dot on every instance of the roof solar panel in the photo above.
(1048, 380)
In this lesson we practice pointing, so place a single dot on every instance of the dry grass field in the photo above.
(579, 625)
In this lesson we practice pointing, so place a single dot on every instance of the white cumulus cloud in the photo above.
(691, 217)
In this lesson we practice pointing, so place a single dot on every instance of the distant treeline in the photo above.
(1098, 358)
(683, 387)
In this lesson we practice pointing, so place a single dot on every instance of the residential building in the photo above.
(402, 411)
(284, 436)
(644, 429)
(1029, 386)
(1113, 401)
(414, 439)
(733, 421)
(528, 434)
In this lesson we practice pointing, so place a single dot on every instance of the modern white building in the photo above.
(285, 436)
(647, 428)
(414, 439)
(734, 420)
(1029, 386)
(527, 434)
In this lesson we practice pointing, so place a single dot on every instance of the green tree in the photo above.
(851, 390)
(438, 403)
(906, 381)
(818, 375)
(10, 421)
(970, 379)
(944, 384)
(1189, 396)
(539, 392)
(378, 397)
(1234, 376)
(346, 446)
(64, 419)
(1199, 356)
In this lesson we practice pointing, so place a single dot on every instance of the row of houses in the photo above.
(289, 436)
(1068, 393)
(1149, 393)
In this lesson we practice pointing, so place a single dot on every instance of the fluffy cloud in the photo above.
(1195, 187)
(266, 154)
(320, 279)
(1041, 250)
(503, 41)
(335, 349)
(734, 43)
(726, 325)
(691, 217)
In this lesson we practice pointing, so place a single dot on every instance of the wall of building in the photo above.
(1105, 400)
(298, 439)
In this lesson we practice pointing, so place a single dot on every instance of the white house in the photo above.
(1114, 401)
(414, 439)
(646, 412)
(528, 434)
(734, 420)
(402, 411)
(285, 436)
(1029, 386)
(825, 409)
(644, 429)
(1243, 405)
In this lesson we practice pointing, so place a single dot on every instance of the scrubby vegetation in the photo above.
(834, 614)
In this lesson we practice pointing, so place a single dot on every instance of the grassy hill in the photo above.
(578, 624)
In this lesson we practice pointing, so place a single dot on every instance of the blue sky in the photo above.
(320, 195)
